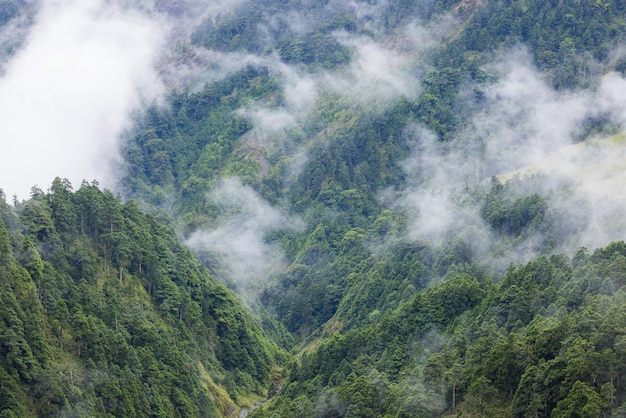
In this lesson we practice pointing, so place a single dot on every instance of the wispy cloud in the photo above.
(522, 127)
(377, 73)
(240, 235)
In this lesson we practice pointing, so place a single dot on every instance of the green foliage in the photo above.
(388, 328)
(251, 26)
(511, 217)
(485, 350)
(186, 146)
(104, 313)
(6, 251)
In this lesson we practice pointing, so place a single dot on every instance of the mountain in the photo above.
(105, 313)
(370, 208)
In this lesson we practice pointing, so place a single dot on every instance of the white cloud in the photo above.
(66, 96)
(377, 75)
(240, 238)
(613, 97)
(522, 127)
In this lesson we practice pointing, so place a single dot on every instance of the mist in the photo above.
(13, 31)
(525, 133)
(240, 235)
(67, 93)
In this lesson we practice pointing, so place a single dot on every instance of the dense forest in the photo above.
(342, 213)
(105, 313)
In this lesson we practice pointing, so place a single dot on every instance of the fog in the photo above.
(240, 236)
(67, 93)
(525, 132)
(74, 71)
(382, 69)
(82, 68)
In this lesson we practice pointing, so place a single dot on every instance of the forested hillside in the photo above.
(545, 340)
(105, 313)
(357, 209)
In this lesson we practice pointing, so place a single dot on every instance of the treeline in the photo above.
(545, 339)
(105, 313)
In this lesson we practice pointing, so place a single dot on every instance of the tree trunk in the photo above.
(453, 397)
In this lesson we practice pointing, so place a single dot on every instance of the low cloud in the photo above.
(522, 130)
(267, 120)
(299, 91)
(376, 73)
(383, 69)
(387, 68)
(67, 94)
(523, 119)
(436, 196)
(240, 234)
(611, 97)
(13, 32)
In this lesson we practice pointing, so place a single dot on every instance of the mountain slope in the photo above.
(398, 280)
(332, 160)
(105, 313)
(544, 341)
(327, 163)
